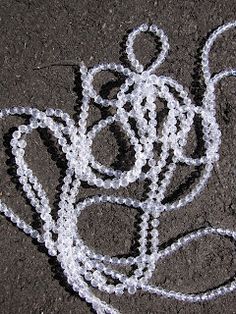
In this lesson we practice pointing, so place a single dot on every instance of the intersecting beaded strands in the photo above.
(79, 262)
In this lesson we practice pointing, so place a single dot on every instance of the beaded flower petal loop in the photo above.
(141, 88)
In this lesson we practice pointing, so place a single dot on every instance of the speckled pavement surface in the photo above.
(33, 33)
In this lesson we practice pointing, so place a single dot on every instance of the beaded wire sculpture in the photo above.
(80, 263)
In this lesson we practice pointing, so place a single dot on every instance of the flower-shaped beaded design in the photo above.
(80, 263)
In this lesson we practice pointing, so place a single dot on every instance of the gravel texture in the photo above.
(34, 33)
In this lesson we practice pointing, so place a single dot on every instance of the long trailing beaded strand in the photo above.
(80, 263)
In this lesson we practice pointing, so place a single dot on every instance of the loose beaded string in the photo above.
(82, 265)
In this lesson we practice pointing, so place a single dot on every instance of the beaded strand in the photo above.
(82, 265)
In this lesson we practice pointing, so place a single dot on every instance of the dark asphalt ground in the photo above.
(39, 32)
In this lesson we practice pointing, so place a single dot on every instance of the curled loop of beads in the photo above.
(141, 88)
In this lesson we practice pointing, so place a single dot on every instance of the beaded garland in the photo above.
(141, 88)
